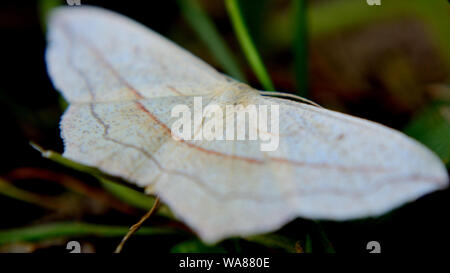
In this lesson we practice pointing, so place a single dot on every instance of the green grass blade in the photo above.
(273, 241)
(134, 198)
(334, 16)
(196, 246)
(57, 230)
(247, 44)
(326, 243)
(54, 156)
(9, 190)
(300, 46)
(44, 8)
(128, 195)
(207, 32)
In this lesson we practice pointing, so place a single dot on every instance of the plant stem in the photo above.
(247, 44)
(207, 32)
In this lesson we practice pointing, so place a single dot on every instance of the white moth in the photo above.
(122, 80)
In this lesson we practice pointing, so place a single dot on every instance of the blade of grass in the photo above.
(308, 244)
(300, 45)
(54, 230)
(436, 14)
(432, 128)
(130, 196)
(207, 32)
(54, 156)
(247, 44)
(8, 189)
(44, 8)
(255, 12)
(326, 244)
(71, 183)
(134, 198)
(334, 16)
(273, 241)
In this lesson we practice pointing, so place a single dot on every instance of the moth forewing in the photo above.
(123, 80)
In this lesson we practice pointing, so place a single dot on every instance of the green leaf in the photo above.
(196, 246)
(247, 44)
(207, 32)
(56, 230)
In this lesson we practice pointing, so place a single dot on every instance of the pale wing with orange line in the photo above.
(119, 78)
(110, 55)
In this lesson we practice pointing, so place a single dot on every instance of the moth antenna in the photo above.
(138, 225)
(287, 95)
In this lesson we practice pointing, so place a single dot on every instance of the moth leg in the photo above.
(288, 95)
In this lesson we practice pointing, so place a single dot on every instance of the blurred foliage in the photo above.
(196, 246)
(403, 75)
(274, 241)
(44, 8)
(300, 45)
(128, 195)
(247, 44)
(431, 126)
(65, 230)
(208, 33)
